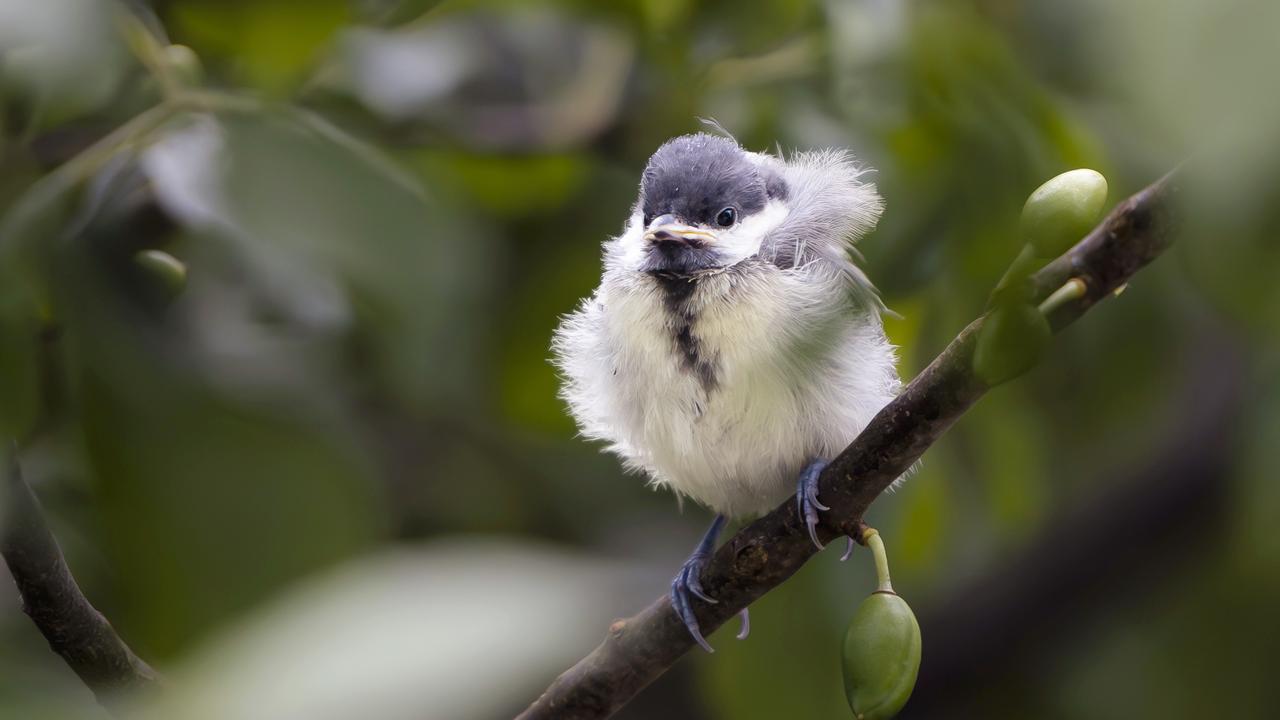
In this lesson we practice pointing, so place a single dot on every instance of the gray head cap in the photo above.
(694, 177)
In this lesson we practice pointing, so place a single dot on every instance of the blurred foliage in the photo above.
(384, 206)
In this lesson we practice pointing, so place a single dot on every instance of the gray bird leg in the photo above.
(689, 582)
(808, 504)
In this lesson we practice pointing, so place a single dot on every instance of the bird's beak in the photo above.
(665, 229)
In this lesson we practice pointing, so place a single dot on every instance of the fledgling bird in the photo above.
(732, 346)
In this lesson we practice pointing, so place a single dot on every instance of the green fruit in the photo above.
(1011, 341)
(1062, 211)
(185, 65)
(881, 656)
(166, 272)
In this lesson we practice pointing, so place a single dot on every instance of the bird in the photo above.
(733, 345)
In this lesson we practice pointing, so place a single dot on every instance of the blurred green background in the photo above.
(331, 477)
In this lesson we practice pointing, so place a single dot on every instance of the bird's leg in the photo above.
(807, 497)
(689, 582)
(809, 505)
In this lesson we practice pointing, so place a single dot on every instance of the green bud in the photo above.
(1010, 343)
(881, 656)
(167, 273)
(185, 65)
(1062, 211)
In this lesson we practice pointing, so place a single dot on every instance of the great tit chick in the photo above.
(732, 346)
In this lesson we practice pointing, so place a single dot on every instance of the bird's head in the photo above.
(705, 204)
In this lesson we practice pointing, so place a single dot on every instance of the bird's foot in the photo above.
(807, 498)
(688, 582)
(809, 505)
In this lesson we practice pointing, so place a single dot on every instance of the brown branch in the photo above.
(50, 596)
(768, 551)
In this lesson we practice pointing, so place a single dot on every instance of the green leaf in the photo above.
(271, 42)
(19, 367)
(315, 210)
(209, 503)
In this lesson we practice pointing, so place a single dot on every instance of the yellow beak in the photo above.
(679, 233)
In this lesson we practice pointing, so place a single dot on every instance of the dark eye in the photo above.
(727, 217)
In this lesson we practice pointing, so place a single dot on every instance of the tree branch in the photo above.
(768, 551)
(52, 599)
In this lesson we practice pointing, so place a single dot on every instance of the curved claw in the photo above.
(691, 573)
(688, 582)
(807, 498)
(848, 549)
(745, 615)
(811, 520)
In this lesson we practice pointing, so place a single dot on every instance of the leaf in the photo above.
(209, 504)
(337, 235)
(464, 630)
(19, 366)
(270, 41)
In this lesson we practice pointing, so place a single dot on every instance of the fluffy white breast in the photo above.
(796, 377)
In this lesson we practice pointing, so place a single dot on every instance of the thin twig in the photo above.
(768, 551)
(50, 596)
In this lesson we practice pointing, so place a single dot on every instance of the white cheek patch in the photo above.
(630, 245)
(744, 239)
(732, 245)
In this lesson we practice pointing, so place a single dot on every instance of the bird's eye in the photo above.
(727, 217)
